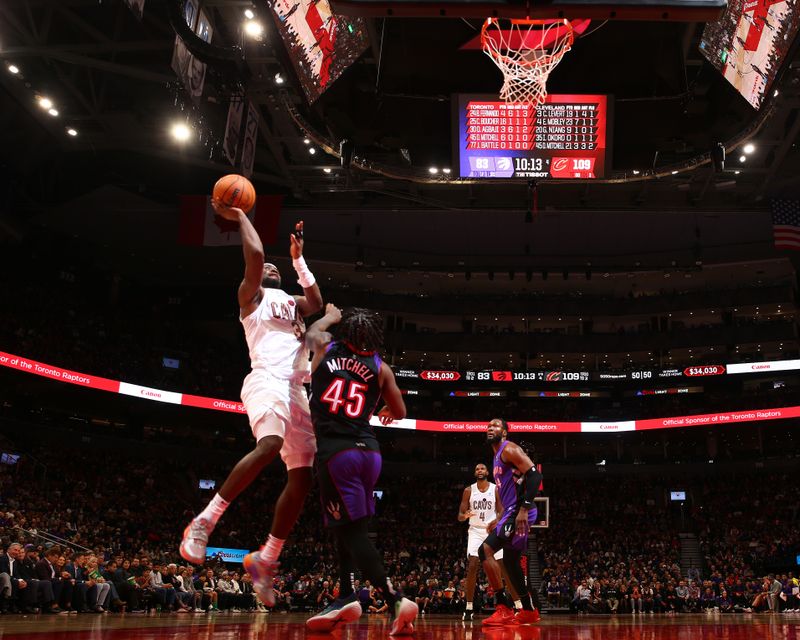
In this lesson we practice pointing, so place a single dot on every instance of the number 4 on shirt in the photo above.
(353, 400)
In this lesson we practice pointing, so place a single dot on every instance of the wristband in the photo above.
(305, 278)
(527, 505)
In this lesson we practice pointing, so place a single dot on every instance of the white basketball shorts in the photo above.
(475, 540)
(279, 407)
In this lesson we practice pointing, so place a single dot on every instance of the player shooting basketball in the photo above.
(274, 397)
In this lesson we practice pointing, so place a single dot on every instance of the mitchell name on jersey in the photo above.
(352, 365)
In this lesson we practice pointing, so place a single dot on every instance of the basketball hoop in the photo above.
(526, 51)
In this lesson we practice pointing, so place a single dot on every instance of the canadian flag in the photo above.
(199, 224)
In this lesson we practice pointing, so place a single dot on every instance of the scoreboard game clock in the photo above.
(566, 137)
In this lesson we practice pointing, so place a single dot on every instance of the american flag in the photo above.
(786, 223)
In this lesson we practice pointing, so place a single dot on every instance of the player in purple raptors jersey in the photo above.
(517, 481)
(348, 378)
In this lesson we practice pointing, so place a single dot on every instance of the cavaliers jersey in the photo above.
(275, 334)
(482, 504)
(344, 393)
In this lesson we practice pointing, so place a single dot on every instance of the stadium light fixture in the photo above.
(248, 13)
(12, 68)
(253, 28)
(180, 131)
(749, 148)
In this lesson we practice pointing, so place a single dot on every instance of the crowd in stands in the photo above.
(113, 327)
(616, 548)
(612, 545)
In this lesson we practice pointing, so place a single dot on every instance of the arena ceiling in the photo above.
(109, 75)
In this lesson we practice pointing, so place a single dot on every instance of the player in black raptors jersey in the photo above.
(348, 379)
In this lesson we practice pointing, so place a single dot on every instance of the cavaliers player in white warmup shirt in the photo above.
(480, 505)
(274, 397)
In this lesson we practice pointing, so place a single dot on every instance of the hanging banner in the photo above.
(191, 71)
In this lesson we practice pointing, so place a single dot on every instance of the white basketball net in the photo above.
(526, 51)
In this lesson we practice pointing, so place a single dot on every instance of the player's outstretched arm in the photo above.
(311, 301)
(250, 289)
(318, 337)
(395, 408)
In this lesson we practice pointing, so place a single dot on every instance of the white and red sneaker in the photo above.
(405, 612)
(263, 574)
(195, 540)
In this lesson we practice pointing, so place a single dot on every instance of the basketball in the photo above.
(234, 190)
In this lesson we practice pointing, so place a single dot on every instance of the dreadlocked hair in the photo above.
(362, 329)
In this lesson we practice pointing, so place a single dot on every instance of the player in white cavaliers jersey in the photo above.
(274, 397)
(480, 504)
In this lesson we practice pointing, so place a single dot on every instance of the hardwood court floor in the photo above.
(291, 627)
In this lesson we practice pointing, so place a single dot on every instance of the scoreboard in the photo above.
(565, 137)
(560, 375)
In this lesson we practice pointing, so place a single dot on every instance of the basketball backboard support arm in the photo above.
(654, 10)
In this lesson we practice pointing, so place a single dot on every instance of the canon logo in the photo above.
(609, 427)
(756, 367)
(151, 394)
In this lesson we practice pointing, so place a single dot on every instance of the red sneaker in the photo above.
(524, 616)
(502, 616)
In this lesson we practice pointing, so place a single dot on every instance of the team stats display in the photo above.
(565, 137)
